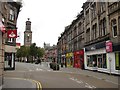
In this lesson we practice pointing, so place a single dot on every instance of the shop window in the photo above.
(92, 61)
(99, 61)
(117, 60)
(102, 61)
(89, 62)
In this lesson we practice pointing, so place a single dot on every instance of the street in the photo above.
(64, 78)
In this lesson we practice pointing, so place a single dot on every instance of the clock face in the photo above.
(28, 35)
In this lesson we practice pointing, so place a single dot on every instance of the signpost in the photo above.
(110, 64)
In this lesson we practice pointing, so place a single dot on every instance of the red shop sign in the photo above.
(12, 33)
(108, 46)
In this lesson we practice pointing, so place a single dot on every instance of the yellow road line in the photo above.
(39, 86)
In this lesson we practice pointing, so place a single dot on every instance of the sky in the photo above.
(48, 19)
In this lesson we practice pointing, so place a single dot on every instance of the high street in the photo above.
(64, 78)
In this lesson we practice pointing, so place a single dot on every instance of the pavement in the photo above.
(19, 83)
(113, 78)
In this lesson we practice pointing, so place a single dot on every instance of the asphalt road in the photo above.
(57, 79)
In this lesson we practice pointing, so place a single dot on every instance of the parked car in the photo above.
(54, 66)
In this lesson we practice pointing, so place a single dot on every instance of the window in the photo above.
(11, 15)
(102, 7)
(87, 17)
(92, 60)
(119, 24)
(93, 11)
(10, 39)
(94, 31)
(88, 35)
(104, 27)
(28, 38)
(114, 27)
(75, 32)
(102, 61)
(117, 60)
(79, 28)
(100, 28)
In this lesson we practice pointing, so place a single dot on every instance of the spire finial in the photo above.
(28, 19)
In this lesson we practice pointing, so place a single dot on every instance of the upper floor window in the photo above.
(119, 24)
(94, 31)
(102, 7)
(87, 16)
(93, 11)
(11, 15)
(114, 27)
(88, 35)
(75, 31)
(102, 27)
(79, 27)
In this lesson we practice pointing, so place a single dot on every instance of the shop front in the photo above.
(9, 63)
(116, 59)
(103, 57)
(63, 60)
(79, 59)
(69, 59)
(96, 57)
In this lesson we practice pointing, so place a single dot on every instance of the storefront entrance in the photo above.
(79, 59)
(9, 61)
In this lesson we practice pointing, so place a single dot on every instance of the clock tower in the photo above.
(28, 33)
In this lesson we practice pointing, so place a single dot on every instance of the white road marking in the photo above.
(81, 82)
(38, 69)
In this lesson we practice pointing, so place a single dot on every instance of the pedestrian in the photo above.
(39, 60)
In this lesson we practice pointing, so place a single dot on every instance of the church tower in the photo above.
(28, 34)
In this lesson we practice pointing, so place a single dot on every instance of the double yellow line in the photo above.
(38, 84)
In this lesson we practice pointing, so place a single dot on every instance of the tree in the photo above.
(40, 52)
(22, 52)
(30, 52)
(33, 50)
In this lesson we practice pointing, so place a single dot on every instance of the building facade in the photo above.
(10, 11)
(28, 34)
(8, 18)
(1, 51)
(93, 38)
(114, 27)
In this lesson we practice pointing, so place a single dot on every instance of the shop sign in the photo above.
(108, 46)
(12, 33)
(71, 54)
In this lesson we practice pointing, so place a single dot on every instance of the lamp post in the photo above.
(110, 64)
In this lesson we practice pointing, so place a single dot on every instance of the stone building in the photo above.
(28, 34)
(114, 27)
(1, 50)
(8, 18)
(92, 39)
(96, 35)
